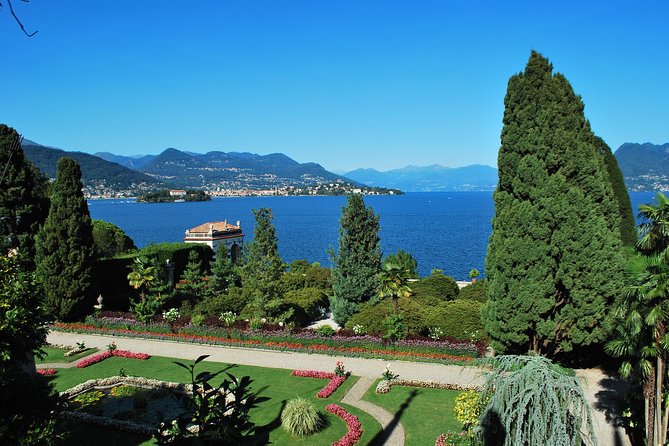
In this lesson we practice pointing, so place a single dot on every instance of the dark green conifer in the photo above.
(263, 266)
(23, 195)
(554, 262)
(628, 233)
(357, 261)
(64, 245)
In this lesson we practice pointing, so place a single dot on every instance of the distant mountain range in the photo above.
(644, 166)
(97, 173)
(430, 178)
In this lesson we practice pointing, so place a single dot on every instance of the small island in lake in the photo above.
(174, 196)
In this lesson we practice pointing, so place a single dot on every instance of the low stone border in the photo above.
(384, 386)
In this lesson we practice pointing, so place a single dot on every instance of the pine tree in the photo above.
(357, 261)
(263, 266)
(223, 272)
(64, 245)
(192, 285)
(554, 262)
(23, 195)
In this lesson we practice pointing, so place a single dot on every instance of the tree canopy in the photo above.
(64, 245)
(554, 261)
(110, 240)
(357, 261)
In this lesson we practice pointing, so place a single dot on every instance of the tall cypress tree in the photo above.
(554, 261)
(64, 245)
(357, 261)
(22, 195)
(627, 228)
(263, 267)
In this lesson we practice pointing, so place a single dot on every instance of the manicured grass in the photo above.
(424, 413)
(56, 354)
(276, 384)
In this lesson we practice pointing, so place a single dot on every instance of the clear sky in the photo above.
(347, 84)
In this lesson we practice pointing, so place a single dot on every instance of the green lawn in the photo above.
(424, 413)
(275, 384)
(56, 354)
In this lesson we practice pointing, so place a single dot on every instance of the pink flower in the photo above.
(335, 381)
(108, 354)
(352, 423)
(47, 372)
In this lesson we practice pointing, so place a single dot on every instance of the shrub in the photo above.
(197, 320)
(325, 330)
(436, 288)
(457, 319)
(306, 304)
(372, 316)
(467, 408)
(475, 291)
(234, 300)
(300, 417)
(395, 327)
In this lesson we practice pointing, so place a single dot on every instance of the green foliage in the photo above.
(163, 196)
(22, 319)
(192, 285)
(223, 272)
(300, 417)
(23, 193)
(325, 330)
(628, 234)
(234, 300)
(474, 291)
(263, 266)
(142, 277)
(474, 273)
(435, 289)
(372, 316)
(396, 329)
(197, 320)
(109, 240)
(554, 261)
(30, 418)
(404, 261)
(221, 413)
(393, 283)
(533, 402)
(301, 274)
(357, 261)
(468, 407)
(306, 304)
(64, 246)
(458, 319)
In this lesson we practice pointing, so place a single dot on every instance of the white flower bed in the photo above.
(385, 385)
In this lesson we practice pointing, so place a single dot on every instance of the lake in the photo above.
(445, 230)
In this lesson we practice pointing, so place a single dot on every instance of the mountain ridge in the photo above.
(645, 166)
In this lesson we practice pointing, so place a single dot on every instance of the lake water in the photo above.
(445, 230)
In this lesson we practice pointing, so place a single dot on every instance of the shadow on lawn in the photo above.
(261, 435)
(382, 437)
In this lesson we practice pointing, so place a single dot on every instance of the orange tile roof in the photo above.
(217, 226)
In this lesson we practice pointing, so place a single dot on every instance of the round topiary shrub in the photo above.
(300, 417)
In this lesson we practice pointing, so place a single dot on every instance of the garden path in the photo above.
(601, 389)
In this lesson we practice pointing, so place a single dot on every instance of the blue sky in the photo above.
(348, 84)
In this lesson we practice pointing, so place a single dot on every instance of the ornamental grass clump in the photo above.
(301, 418)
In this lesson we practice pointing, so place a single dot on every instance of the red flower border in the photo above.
(47, 372)
(108, 354)
(329, 389)
(352, 423)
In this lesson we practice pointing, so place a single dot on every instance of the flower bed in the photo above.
(47, 372)
(352, 423)
(384, 386)
(108, 354)
(309, 342)
(329, 389)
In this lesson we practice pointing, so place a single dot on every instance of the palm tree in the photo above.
(644, 314)
(393, 283)
(142, 275)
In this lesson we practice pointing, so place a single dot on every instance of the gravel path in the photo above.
(601, 389)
